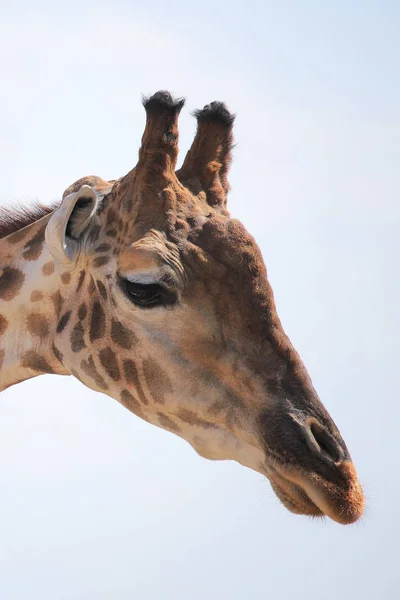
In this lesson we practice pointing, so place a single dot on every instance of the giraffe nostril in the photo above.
(324, 443)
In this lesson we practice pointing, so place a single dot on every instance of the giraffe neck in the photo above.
(29, 305)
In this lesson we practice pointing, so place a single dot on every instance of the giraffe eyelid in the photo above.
(144, 278)
(165, 280)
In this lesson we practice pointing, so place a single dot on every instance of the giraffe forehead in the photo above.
(223, 247)
(227, 238)
(139, 259)
(151, 254)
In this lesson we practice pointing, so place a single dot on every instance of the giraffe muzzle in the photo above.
(310, 468)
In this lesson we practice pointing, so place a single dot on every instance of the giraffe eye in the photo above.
(148, 295)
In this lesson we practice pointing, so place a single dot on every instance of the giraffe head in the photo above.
(168, 309)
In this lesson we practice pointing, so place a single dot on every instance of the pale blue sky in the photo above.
(96, 504)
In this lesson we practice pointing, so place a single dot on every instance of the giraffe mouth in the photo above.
(311, 494)
(292, 496)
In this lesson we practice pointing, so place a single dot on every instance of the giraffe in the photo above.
(145, 289)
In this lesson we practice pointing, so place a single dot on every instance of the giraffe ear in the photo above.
(69, 227)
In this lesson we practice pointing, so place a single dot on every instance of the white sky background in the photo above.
(96, 504)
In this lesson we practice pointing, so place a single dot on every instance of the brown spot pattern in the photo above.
(38, 325)
(57, 353)
(80, 280)
(3, 324)
(11, 281)
(128, 204)
(131, 376)
(217, 407)
(65, 278)
(48, 268)
(103, 248)
(190, 417)
(111, 216)
(57, 301)
(36, 296)
(82, 312)
(157, 380)
(102, 289)
(95, 233)
(121, 335)
(130, 402)
(167, 423)
(89, 368)
(18, 236)
(100, 261)
(77, 338)
(109, 361)
(97, 323)
(76, 374)
(63, 322)
(33, 248)
(33, 360)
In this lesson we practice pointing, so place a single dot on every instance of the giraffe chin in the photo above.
(312, 495)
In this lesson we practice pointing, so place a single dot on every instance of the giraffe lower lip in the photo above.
(311, 495)
(292, 496)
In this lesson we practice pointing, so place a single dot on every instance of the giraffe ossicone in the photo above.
(145, 289)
